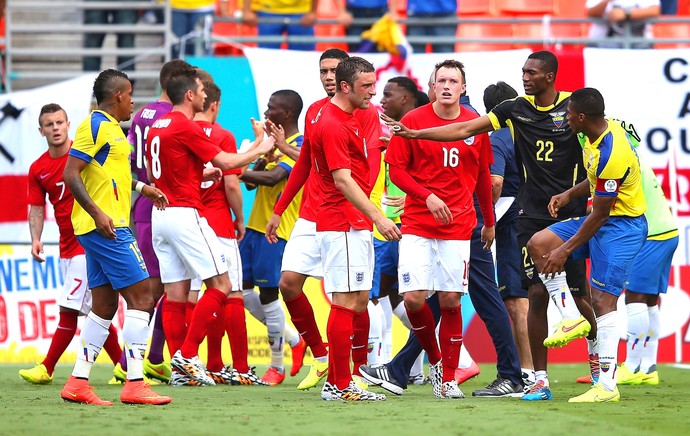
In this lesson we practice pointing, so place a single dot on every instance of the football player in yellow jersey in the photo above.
(611, 235)
(99, 176)
(261, 260)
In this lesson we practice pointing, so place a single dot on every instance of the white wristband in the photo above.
(139, 186)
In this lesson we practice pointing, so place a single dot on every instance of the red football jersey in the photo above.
(310, 193)
(336, 143)
(177, 150)
(215, 203)
(45, 177)
(447, 169)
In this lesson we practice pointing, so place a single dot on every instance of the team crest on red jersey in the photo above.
(470, 140)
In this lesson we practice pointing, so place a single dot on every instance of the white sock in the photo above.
(418, 365)
(253, 304)
(592, 346)
(465, 360)
(93, 336)
(376, 355)
(528, 375)
(560, 294)
(275, 324)
(291, 335)
(135, 334)
(541, 376)
(651, 345)
(638, 328)
(385, 304)
(401, 313)
(607, 333)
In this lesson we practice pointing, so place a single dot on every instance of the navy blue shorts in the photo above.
(117, 262)
(261, 260)
(508, 261)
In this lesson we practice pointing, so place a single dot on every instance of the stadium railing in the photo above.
(26, 35)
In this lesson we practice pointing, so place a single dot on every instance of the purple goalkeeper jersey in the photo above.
(141, 211)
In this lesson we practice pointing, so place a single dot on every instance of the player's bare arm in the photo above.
(488, 235)
(601, 207)
(450, 132)
(72, 177)
(152, 193)
(265, 178)
(439, 209)
(562, 199)
(272, 228)
(496, 188)
(36, 218)
(227, 161)
(233, 193)
(212, 174)
(354, 194)
(278, 133)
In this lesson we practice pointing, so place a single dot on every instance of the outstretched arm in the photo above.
(447, 133)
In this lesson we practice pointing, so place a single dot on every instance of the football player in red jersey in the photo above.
(45, 178)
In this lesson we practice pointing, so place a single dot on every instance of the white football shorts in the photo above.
(302, 254)
(75, 294)
(232, 256)
(433, 264)
(185, 245)
(348, 260)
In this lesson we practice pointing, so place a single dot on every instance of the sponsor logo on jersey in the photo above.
(318, 115)
(557, 118)
(524, 119)
(43, 176)
(470, 140)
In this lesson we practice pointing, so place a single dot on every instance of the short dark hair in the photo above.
(406, 83)
(107, 84)
(291, 100)
(451, 63)
(422, 98)
(334, 53)
(495, 94)
(350, 68)
(50, 108)
(212, 94)
(588, 101)
(548, 60)
(170, 69)
(178, 85)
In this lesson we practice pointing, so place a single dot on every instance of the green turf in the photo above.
(283, 410)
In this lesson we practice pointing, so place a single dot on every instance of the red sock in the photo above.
(302, 315)
(360, 341)
(189, 313)
(214, 341)
(204, 314)
(174, 325)
(112, 345)
(425, 328)
(340, 330)
(236, 326)
(450, 337)
(67, 326)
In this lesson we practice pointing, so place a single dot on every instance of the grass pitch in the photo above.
(283, 410)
